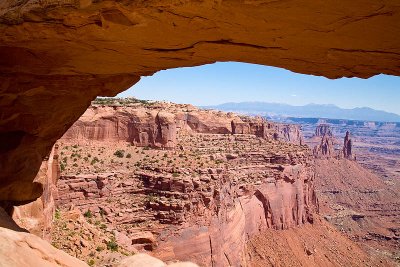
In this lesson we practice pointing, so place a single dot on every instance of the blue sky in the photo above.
(236, 82)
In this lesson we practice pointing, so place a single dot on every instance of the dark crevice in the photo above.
(221, 42)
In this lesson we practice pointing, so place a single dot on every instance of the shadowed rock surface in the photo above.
(56, 56)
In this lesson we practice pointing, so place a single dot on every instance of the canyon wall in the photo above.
(257, 176)
(151, 126)
(37, 216)
(56, 56)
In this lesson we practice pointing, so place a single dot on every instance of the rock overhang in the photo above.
(56, 56)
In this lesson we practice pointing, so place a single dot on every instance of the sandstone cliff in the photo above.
(158, 124)
(37, 216)
(68, 52)
(223, 179)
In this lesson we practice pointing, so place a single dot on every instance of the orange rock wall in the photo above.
(56, 56)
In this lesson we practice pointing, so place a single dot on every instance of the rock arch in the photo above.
(57, 55)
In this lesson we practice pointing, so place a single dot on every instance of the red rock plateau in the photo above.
(187, 184)
(56, 56)
(67, 52)
(213, 179)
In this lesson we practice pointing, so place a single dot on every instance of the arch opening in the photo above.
(67, 54)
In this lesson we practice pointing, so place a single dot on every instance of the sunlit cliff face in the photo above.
(57, 56)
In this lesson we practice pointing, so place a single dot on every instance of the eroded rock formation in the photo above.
(158, 124)
(325, 148)
(58, 55)
(37, 216)
(347, 146)
(226, 178)
(323, 129)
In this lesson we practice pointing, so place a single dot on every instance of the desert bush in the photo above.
(119, 153)
(62, 166)
(112, 245)
(88, 214)
(57, 214)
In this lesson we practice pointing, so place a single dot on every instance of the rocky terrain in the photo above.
(67, 52)
(58, 55)
(182, 183)
(179, 182)
(376, 144)
(356, 201)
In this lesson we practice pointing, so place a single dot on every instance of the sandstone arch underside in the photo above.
(57, 55)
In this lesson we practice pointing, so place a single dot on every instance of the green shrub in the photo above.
(128, 156)
(94, 161)
(119, 153)
(175, 174)
(112, 245)
(57, 214)
(88, 214)
(91, 262)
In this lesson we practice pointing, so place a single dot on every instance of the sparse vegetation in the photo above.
(114, 101)
(88, 214)
(57, 214)
(94, 161)
(119, 153)
(112, 245)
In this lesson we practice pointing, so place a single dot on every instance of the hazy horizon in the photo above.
(220, 83)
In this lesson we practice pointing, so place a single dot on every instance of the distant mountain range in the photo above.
(311, 110)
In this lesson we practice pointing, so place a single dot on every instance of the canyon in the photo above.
(57, 56)
(196, 183)
(68, 52)
(213, 188)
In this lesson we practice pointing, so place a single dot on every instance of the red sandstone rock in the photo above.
(257, 180)
(37, 216)
(152, 126)
(67, 52)
(347, 146)
(326, 148)
(323, 129)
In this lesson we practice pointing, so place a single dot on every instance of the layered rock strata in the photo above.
(158, 124)
(225, 179)
(68, 52)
